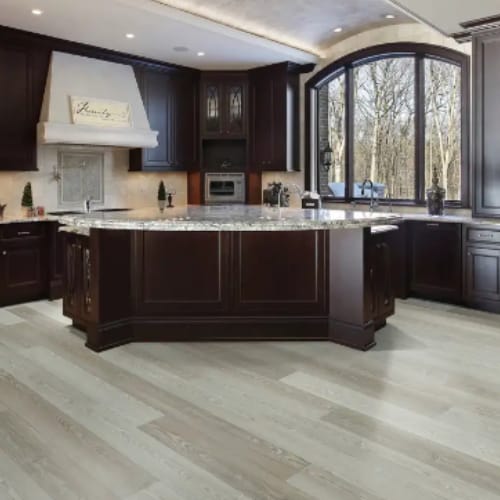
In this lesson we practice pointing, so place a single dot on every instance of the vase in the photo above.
(435, 196)
(161, 205)
(28, 211)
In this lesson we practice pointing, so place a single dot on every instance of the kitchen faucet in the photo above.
(373, 204)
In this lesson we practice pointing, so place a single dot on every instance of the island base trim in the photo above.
(109, 335)
(361, 337)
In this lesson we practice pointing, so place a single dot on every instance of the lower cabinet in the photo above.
(482, 268)
(435, 260)
(381, 289)
(77, 278)
(23, 256)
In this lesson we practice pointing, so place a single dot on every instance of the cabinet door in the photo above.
(263, 123)
(169, 100)
(183, 109)
(435, 260)
(212, 109)
(482, 274)
(72, 298)
(384, 300)
(235, 112)
(486, 97)
(274, 118)
(22, 78)
(22, 270)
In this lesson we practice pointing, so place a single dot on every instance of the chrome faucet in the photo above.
(280, 192)
(373, 204)
(87, 203)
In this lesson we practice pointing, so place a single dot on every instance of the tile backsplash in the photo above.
(121, 187)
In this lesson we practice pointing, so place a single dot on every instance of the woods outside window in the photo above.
(391, 114)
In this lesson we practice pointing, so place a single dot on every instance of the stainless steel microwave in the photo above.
(224, 187)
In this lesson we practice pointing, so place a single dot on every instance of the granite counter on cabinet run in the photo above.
(227, 273)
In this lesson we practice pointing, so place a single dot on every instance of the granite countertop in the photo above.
(11, 219)
(213, 217)
(228, 218)
(458, 219)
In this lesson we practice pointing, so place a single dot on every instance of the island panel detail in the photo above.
(127, 285)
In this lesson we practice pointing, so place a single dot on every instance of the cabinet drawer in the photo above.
(24, 229)
(483, 235)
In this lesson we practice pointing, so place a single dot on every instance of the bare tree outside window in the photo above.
(384, 127)
(443, 125)
(336, 128)
(368, 110)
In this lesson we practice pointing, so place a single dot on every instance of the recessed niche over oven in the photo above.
(224, 154)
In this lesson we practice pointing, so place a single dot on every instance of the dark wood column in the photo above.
(350, 318)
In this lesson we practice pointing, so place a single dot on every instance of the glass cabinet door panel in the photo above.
(212, 118)
(235, 109)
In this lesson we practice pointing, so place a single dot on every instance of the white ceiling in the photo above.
(248, 33)
(446, 15)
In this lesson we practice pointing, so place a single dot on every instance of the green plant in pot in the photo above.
(162, 196)
(27, 199)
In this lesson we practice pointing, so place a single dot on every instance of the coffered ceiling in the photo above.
(208, 34)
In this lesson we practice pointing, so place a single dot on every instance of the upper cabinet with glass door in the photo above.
(223, 110)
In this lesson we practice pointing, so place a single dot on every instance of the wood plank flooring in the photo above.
(417, 418)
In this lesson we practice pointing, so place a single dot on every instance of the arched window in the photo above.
(391, 114)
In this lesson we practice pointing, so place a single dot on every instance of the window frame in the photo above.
(420, 52)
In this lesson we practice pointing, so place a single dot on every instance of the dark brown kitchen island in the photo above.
(226, 273)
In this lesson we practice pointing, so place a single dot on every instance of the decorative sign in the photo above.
(99, 112)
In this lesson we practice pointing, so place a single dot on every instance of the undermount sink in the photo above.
(76, 212)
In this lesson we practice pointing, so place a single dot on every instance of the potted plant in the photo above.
(162, 196)
(27, 200)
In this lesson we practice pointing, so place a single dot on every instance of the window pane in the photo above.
(384, 127)
(331, 121)
(443, 125)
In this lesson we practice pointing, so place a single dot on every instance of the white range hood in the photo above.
(93, 102)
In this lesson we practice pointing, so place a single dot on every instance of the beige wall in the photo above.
(121, 187)
(411, 32)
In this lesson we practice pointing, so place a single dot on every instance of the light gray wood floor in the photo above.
(417, 418)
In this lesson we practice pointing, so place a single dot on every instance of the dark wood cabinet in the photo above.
(380, 275)
(170, 100)
(55, 260)
(435, 260)
(183, 272)
(269, 281)
(223, 105)
(486, 146)
(23, 70)
(274, 139)
(482, 268)
(482, 274)
(23, 274)
(77, 278)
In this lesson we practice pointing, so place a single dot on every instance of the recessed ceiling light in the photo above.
(130, 35)
(37, 12)
(200, 54)
(180, 48)
(338, 30)
(390, 16)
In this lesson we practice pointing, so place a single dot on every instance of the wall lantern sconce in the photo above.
(327, 158)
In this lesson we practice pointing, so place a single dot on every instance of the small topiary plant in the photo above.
(27, 200)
